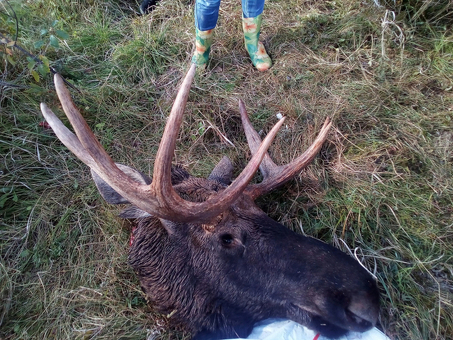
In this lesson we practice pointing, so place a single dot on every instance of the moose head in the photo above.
(207, 255)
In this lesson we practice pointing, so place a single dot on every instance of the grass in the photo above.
(382, 182)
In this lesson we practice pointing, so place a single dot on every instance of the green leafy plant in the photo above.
(50, 36)
(49, 39)
(7, 52)
(38, 68)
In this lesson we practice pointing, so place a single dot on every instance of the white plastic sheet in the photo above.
(278, 329)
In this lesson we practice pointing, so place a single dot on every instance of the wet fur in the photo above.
(217, 280)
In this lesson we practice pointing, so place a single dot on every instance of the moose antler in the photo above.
(275, 175)
(159, 198)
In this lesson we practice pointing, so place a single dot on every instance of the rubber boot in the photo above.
(256, 49)
(203, 44)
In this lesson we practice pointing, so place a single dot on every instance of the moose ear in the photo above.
(109, 194)
(133, 212)
(223, 171)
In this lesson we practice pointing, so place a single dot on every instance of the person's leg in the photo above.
(251, 23)
(252, 8)
(206, 16)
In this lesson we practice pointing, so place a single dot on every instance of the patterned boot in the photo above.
(256, 50)
(202, 48)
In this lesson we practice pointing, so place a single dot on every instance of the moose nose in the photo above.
(362, 316)
(358, 323)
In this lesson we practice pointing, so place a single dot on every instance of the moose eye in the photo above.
(227, 239)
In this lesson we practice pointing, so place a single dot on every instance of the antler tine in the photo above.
(159, 198)
(161, 186)
(241, 182)
(99, 160)
(216, 204)
(67, 137)
(81, 128)
(254, 141)
(274, 175)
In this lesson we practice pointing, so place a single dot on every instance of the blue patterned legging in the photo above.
(207, 12)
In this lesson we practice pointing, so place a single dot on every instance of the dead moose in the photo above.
(207, 255)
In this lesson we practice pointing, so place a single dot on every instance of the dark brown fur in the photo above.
(217, 280)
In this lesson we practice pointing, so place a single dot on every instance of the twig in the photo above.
(15, 19)
(6, 84)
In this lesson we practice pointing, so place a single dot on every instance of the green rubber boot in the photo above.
(203, 44)
(256, 49)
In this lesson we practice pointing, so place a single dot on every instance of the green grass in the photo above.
(382, 182)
